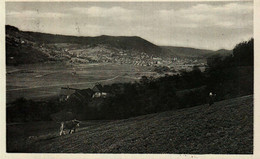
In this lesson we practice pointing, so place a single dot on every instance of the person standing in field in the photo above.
(211, 98)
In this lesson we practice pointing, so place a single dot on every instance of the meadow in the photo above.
(42, 81)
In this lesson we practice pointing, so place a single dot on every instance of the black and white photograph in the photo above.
(129, 77)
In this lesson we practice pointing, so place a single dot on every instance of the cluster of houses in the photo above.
(102, 54)
(106, 55)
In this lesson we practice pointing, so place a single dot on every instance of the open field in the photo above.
(40, 81)
(223, 128)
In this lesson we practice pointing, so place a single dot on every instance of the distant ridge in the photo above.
(121, 42)
(31, 47)
(187, 52)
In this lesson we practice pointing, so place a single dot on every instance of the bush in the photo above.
(23, 110)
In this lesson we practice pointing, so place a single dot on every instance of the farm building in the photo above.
(78, 102)
(99, 91)
(83, 95)
(65, 93)
(97, 88)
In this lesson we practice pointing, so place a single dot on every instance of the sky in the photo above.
(206, 25)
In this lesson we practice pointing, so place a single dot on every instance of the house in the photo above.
(83, 95)
(97, 88)
(99, 91)
(78, 101)
(65, 93)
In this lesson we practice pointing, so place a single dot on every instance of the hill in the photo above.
(193, 53)
(223, 128)
(23, 47)
(119, 42)
(32, 47)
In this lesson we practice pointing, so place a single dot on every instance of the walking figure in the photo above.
(211, 98)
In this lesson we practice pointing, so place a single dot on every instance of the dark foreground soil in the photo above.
(224, 128)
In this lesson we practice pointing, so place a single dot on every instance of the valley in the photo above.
(39, 64)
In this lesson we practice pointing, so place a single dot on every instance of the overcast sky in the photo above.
(209, 25)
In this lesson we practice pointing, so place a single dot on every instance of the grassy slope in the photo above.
(225, 127)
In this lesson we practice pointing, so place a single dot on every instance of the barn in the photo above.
(65, 93)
